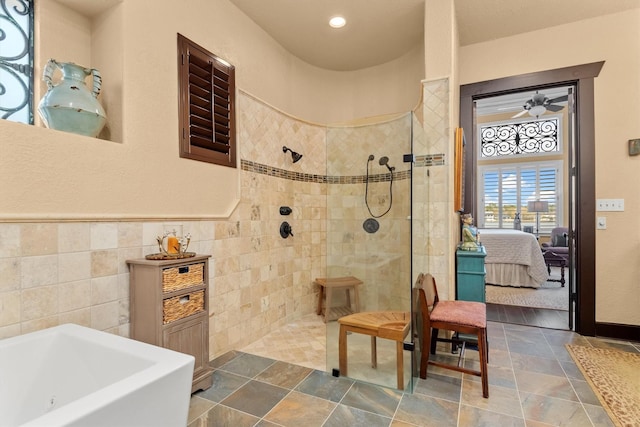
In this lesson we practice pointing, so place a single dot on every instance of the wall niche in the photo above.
(87, 33)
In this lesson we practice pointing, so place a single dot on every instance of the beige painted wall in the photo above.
(51, 174)
(440, 98)
(616, 40)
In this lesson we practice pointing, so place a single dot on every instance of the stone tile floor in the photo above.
(533, 383)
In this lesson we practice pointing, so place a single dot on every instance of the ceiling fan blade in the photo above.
(559, 99)
(554, 108)
(519, 114)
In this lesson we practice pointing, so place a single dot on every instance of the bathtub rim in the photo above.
(163, 363)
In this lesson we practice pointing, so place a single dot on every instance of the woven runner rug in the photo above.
(614, 376)
(550, 295)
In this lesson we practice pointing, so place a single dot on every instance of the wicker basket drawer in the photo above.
(181, 306)
(176, 278)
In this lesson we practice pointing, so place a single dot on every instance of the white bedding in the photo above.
(513, 258)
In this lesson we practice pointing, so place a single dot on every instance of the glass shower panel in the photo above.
(368, 236)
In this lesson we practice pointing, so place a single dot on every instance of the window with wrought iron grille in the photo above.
(521, 138)
(16, 61)
(505, 188)
(206, 105)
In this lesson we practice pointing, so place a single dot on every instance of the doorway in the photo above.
(524, 143)
(581, 174)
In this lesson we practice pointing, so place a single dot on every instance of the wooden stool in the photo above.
(392, 325)
(327, 285)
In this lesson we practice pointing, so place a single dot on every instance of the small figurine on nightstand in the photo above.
(517, 223)
(470, 234)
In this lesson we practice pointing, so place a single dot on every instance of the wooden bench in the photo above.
(327, 286)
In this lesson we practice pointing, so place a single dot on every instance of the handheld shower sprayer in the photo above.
(371, 225)
(384, 161)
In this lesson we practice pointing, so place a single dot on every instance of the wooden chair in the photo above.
(463, 317)
(392, 325)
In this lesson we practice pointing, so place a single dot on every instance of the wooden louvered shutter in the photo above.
(207, 105)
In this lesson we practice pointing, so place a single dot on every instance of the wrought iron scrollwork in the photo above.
(540, 136)
(16, 60)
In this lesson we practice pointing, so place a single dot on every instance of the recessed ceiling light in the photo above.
(337, 22)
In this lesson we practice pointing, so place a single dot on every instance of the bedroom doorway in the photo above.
(524, 141)
(581, 175)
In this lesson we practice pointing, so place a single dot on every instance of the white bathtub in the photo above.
(71, 375)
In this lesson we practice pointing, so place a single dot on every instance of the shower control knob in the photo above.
(285, 210)
(285, 230)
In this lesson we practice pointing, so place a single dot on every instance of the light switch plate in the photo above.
(610, 205)
(601, 223)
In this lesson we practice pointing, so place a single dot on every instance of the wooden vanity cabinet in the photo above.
(169, 308)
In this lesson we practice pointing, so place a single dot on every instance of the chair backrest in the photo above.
(558, 237)
(426, 296)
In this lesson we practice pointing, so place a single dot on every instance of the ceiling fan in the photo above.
(539, 104)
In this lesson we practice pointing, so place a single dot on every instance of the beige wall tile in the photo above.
(105, 316)
(39, 271)
(150, 231)
(74, 237)
(10, 308)
(80, 317)
(73, 296)
(104, 235)
(104, 263)
(104, 289)
(10, 330)
(39, 302)
(125, 254)
(10, 240)
(74, 266)
(39, 239)
(38, 324)
(10, 276)
(129, 235)
(124, 310)
(123, 286)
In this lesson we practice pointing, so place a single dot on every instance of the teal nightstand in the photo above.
(470, 275)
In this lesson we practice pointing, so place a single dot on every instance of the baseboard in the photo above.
(618, 331)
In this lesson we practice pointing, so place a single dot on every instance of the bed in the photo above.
(514, 258)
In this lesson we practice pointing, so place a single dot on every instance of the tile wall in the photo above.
(57, 272)
(433, 190)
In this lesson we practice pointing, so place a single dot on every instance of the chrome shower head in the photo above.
(294, 156)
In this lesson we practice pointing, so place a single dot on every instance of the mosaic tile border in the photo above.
(429, 160)
(420, 161)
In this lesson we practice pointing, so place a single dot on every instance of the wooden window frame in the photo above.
(206, 85)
